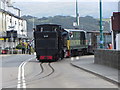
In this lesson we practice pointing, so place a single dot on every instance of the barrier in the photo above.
(109, 58)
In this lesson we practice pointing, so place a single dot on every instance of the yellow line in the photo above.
(3, 38)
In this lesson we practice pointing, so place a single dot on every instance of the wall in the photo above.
(118, 41)
(0, 23)
(109, 58)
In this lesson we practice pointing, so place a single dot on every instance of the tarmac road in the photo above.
(23, 71)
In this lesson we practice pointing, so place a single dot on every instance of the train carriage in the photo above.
(77, 42)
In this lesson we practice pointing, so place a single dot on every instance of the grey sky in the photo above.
(64, 0)
(45, 9)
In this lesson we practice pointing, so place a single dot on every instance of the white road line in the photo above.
(21, 74)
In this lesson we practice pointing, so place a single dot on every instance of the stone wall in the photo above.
(108, 57)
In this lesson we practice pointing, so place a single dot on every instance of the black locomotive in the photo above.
(50, 42)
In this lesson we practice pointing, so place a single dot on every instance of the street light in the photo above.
(22, 31)
(12, 34)
(101, 28)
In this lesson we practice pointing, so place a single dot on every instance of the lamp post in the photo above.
(22, 31)
(101, 27)
(22, 36)
(11, 33)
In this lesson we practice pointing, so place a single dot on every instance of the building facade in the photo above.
(10, 19)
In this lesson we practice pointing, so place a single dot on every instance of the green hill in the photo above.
(87, 23)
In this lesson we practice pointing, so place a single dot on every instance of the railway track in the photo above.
(42, 70)
(42, 74)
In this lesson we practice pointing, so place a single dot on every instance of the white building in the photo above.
(10, 19)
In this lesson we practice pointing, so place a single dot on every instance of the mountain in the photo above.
(87, 23)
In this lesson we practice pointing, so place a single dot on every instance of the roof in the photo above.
(98, 32)
(48, 25)
(7, 12)
(76, 30)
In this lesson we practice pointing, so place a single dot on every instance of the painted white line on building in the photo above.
(21, 74)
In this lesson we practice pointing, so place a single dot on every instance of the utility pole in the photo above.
(33, 22)
(101, 27)
(77, 14)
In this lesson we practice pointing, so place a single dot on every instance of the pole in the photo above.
(12, 42)
(33, 22)
(77, 14)
(101, 27)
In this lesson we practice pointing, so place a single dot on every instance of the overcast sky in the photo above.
(46, 8)
(64, 0)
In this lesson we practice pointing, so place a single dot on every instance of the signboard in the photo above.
(116, 21)
(118, 41)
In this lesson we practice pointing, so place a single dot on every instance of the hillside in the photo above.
(87, 23)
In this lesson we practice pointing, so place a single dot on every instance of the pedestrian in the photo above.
(23, 48)
(29, 49)
(109, 46)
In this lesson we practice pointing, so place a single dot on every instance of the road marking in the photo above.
(21, 74)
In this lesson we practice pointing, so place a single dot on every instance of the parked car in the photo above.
(9, 50)
(5, 50)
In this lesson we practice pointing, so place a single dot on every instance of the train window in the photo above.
(82, 35)
(55, 29)
(71, 34)
(75, 36)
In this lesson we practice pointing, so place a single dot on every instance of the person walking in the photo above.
(29, 49)
(109, 46)
(23, 48)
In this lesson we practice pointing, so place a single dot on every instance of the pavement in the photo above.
(86, 63)
(4, 55)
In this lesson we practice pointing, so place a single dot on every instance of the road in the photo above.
(23, 71)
